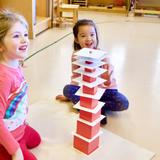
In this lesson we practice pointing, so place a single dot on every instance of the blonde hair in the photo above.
(7, 20)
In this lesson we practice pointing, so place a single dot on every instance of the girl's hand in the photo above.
(108, 75)
(18, 155)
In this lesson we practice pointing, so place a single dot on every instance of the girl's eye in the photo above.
(92, 35)
(16, 36)
(26, 34)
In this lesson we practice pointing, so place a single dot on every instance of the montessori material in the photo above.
(86, 138)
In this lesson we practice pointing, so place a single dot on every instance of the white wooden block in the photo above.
(95, 74)
(97, 96)
(86, 139)
(95, 110)
(91, 54)
(89, 84)
(89, 66)
(92, 123)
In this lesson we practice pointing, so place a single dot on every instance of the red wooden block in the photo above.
(89, 116)
(86, 130)
(88, 102)
(88, 79)
(84, 146)
(105, 75)
(89, 70)
(88, 90)
(88, 62)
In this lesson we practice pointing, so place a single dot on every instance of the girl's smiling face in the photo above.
(15, 43)
(87, 37)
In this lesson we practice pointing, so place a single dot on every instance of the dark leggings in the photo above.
(114, 101)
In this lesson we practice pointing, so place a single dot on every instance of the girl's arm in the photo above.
(6, 138)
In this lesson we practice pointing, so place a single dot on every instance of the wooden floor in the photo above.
(134, 45)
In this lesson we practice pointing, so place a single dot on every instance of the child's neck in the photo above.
(12, 64)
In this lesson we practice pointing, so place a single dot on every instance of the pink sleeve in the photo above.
(6, 138)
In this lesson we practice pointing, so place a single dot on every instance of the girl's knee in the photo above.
(123, 101)
(124, 104)
(28, 155)
(70, 89)
(34, 140)
(66, 89)
(127, 104)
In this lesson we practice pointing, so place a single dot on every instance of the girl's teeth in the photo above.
(23, 48)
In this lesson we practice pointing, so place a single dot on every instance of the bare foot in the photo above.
(62, 98)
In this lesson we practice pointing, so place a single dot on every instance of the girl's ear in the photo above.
(1, 48)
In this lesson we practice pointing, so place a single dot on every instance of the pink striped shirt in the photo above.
(13, 107)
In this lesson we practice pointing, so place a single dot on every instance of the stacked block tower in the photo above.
(86, 138)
